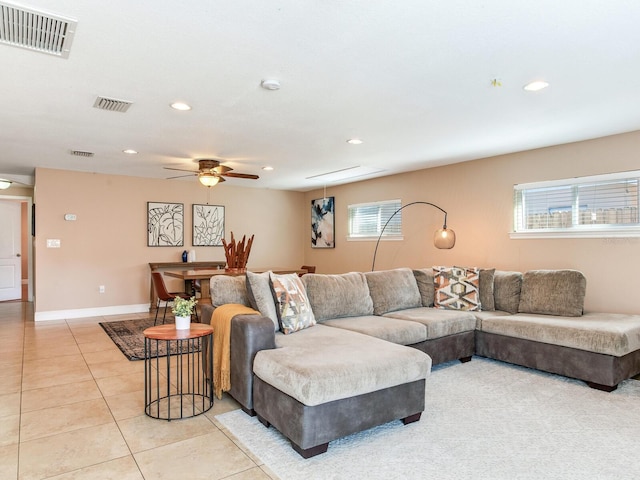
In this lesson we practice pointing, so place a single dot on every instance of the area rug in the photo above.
(483, 420)
(127, 335)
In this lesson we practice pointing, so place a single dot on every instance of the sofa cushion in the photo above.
(225, 289)
(335, 296)
(389, 329)
(553, 292)
(341, 364)
(487, 301)
(293, 308)
(424, 279)
(393, 290)
(456, 288)
(439, 322)
(606, 333)
(506, 290)
(261, 296)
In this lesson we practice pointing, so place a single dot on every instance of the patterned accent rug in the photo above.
(128, 337)
(483, 420)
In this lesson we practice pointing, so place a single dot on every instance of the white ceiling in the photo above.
(411, 78)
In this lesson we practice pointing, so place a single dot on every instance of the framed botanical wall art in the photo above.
(208, 225)
(165, 224)
(322, 223)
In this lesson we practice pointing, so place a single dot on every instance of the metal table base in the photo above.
(176, 386)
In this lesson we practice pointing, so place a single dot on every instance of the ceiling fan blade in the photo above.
(221, 169)
(179, 169)
(241, 175)
(181, 176)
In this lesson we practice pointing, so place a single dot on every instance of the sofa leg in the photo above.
(263, 421)
(412, 418)
(249, 411)
(465, 359)
(310, 452)
(604, 388)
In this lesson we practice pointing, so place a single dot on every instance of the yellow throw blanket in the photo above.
(221, 323)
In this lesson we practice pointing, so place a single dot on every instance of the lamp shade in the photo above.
(444, 238)
(4, 184)
(208, 179)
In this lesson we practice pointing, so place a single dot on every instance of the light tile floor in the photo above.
(72, 407)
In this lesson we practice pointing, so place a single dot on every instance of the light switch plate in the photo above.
(53, 242)
(70, 216)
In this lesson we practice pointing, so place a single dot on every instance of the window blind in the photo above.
(368, 219)
(579, 204)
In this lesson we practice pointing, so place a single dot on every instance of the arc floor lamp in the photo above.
(444, 238)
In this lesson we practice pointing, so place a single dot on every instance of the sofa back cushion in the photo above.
(335, 296)
(424, 279)
(225, 289)
(261, 296)
(506, 290)
(553, 292)
(393, 290)
(487, 299)
(426, 286)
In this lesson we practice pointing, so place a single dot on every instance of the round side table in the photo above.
(175, 385)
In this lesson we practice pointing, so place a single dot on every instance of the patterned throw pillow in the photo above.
(457, 288)
(292, 305)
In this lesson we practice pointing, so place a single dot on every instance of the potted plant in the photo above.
(182, 309)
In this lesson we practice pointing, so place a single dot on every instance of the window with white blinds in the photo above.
(366, 220)
(596, 206)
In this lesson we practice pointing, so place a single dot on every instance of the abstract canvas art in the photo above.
(322, 223)
(208, 225)
(165, 224)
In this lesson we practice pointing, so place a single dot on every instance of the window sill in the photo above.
(374, 239)
(578, 233)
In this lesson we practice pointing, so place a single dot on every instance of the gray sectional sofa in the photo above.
(377, 334)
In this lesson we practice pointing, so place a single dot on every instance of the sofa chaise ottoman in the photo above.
(346, 383)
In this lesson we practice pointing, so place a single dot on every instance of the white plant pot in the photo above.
(183, 323)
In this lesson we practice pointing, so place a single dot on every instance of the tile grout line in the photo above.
(104, 399)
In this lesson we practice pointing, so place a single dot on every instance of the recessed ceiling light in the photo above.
(180, 106)
(267, 168)
(270, 84)
(536, 86)
(354, 141)
(130, 151)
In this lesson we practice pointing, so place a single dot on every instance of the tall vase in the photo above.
(183, 323)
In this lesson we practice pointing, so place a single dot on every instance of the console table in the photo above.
(175, 389)
(153, 298)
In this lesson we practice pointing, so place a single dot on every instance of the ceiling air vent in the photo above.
(112, 105)
(34, 30)
(80, 153)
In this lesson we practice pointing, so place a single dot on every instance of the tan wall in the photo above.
(478, 198)
(107, 244)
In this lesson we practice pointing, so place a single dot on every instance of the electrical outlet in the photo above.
(101, 289)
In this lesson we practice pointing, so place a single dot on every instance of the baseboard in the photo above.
(90, 312)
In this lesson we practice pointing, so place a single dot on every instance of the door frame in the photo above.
(30, 240)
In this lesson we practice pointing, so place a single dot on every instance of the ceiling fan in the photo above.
(210, 172)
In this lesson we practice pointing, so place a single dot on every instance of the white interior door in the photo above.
(10, 261)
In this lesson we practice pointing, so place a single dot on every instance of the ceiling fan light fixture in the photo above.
(4, 184)
(208, 179)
